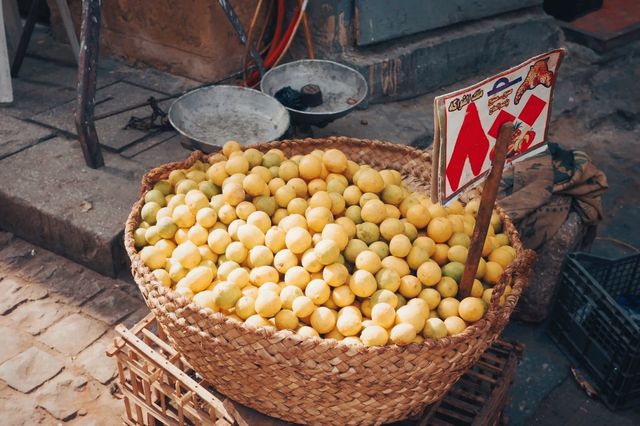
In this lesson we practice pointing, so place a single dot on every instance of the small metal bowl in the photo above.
(215, 114)
(343, 88)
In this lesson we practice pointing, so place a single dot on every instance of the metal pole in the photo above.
(86, 91)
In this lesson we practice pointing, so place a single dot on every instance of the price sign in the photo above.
(467, 123)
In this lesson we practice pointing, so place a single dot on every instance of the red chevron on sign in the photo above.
(528, 115)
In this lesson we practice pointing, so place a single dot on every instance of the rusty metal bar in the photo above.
(86, 91)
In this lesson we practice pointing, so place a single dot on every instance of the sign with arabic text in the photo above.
(467, 123)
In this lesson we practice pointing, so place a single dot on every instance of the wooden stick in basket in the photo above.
(487, 201)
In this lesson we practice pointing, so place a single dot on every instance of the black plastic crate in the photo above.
(597, 332)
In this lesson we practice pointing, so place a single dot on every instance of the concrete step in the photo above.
(418, 64)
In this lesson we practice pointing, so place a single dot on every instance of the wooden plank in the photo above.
(6, 89)
(380, 20)
(65, 14)
(12, 24)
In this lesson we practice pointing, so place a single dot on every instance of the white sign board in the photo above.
(467, 123)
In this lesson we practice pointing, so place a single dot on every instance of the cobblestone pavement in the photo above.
(56, 321)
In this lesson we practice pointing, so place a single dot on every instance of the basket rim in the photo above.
(517, 270)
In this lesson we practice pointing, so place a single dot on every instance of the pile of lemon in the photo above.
(319, 245)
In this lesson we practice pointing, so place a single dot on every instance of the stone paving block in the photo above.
(17, 252)
(96, 362)
(111, 306)
(168, 151)
(147, 144)
(137, 316)
(16, 135)
(30, 369)
(16, 291)
(32, 98)
(111, 131)
(34, 317)
(12, 342)
(72, 334)
(12, 295)
(18, 409)
(54, 216)
(61, 397)
(72, 282)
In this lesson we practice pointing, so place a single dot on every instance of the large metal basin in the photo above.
(215, 114)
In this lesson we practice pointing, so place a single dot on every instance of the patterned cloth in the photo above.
(538, 193)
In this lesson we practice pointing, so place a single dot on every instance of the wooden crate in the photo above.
(158, 387)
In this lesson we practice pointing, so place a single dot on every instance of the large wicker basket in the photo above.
(314, 381)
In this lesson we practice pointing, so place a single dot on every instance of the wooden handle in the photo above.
(487, 201)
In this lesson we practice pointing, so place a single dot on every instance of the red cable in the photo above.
(273, 55)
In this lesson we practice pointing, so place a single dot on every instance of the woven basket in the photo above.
(315, 381)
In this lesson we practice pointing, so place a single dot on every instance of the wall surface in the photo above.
(188, 37)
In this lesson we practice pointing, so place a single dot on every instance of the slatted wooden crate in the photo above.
(159, 388)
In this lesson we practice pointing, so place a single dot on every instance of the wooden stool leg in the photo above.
(26, 36)
(65, 14)
(6, 91)
(86, 92)
(12, 25)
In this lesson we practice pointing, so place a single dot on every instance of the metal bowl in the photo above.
(215, 114)
(343, 88)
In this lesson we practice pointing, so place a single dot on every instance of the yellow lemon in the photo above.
(226, 294)
(284, 260)
(310, 167)
(502, 255)
(390, 228)
(342, 296)
(374, 211)
(493, 273)
(298, 240)
(388, 279)
(245, 307)
(327, 252)
(363, 283)
(323, 320)
(447, 287)
(457, 254)
(374, 335)
(239, 276)
(397, 264)
(310, 262)
(218, 240)
(335, 274)
(383, 314)
(418, 215)
(348, 324)
(297, 276)
(435, 328)
(351, 195)
(263, 274)
(367, 260)
(257, 321)
(260, 256)
(410, 286)
(368, 232)
(302, 306)
(236, 252)
(431, 296)
(318, 291)
(400, 245)
(206, 299)
(402, 334)
(288, 294)
(441, 254)
(429, 273)
(318, 217)
(268, 304)
(187, 254)
(471, 309)
(286, 320)
(369, 180)
(455, 325)
(275, 239)
(335, 161)
(448, 307)
(385, 296)
(153, 257)
(439, 229)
